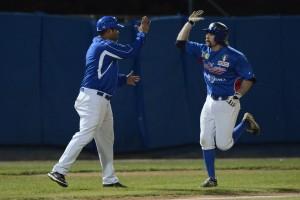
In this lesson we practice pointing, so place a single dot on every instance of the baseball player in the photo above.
(228, 77)
(99, 84)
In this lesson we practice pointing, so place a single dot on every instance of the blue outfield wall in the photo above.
(263, 49)
(42, 64)
(63, 48)
(20, 117)
(290, 78)
(165, 106)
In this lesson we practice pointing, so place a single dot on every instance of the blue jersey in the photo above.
(102, 70)
(222, 69)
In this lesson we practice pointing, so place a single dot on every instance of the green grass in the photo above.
(151, 178)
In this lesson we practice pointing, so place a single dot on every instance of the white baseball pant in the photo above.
(96, 122)
(217, 122)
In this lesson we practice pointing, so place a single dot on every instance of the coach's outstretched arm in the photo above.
(121, 51)
(186, 29)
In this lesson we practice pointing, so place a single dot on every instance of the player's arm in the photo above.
(245, 70)
(184, 33)
(121, 51)
(245, 86)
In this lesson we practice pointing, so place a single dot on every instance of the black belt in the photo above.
(218, 98)
(103, 94)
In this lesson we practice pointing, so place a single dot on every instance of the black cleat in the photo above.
(252, 126)
(210, 182)
(117, 185)
(58, 178)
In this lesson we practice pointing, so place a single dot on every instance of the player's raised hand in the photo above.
(145, 25)
(132, 79)
(196, 16)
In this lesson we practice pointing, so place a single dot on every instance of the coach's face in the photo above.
(114, 34)
(210, 40)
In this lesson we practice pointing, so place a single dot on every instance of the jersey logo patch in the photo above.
(205, 55)
(223, 63)
(214, 70)
(225, 57)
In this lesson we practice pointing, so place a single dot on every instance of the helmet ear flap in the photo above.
(221, 36)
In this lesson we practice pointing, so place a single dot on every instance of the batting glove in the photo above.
(195, 17)
(233, 100)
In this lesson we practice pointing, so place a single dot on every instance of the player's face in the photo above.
(210, 40)
(114, 34)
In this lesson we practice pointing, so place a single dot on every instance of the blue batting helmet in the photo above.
(220, 31)
(108, 22)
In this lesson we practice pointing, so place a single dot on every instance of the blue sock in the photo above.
(238, 130)
(209, 159)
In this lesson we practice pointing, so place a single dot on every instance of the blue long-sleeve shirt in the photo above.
(102, 69)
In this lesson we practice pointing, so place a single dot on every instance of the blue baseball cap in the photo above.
(108, 22)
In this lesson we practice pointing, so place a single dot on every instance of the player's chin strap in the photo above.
(233, 100)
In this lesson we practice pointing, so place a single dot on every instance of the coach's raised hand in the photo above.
(145, 25)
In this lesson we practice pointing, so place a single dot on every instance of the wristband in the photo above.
(237, 95)
(191, 22)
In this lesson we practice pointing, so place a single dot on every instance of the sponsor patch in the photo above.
(212, 79)
(223, 63)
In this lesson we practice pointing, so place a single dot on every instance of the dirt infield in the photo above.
(280, 196)
(271, 196)
(249, 197)
(256, 197)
